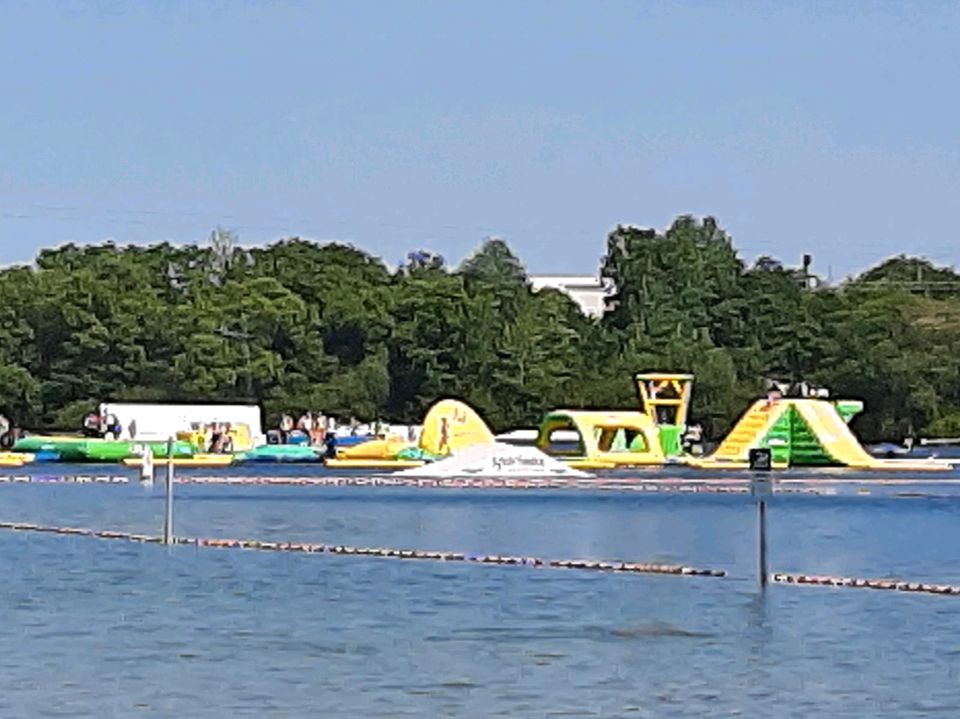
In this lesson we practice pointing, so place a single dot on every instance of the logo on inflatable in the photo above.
(505, 462)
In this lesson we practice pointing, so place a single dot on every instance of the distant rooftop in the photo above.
(588, 291)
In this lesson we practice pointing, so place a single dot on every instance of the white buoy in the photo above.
(146, 465)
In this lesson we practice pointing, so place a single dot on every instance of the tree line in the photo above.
(299, 326)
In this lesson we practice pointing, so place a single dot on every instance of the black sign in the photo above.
(761, 460)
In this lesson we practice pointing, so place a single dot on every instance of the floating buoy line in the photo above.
(62, 479)
(386, 552)
(629, 485)
(896, 585)
(616, 566)
(609, 484)
(471, 483)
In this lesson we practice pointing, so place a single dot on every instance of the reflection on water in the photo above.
(96, 628)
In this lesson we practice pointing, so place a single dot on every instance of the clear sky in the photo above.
(829, 128)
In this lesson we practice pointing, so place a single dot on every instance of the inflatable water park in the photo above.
(453, 439)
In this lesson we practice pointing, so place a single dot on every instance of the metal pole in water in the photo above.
(762, 518)
(761, 488)
(168, 500)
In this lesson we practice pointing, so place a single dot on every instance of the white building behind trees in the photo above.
(588, 291)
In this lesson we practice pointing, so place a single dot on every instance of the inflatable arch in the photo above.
(604, 439)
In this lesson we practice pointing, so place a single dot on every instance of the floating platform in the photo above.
(279, 453)
(197, 460)
(71, 448)
(589, 465)
(370, 463)
(15, 459)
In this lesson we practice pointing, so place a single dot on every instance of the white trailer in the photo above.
(158, 422)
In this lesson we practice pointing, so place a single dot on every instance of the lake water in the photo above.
(113, 629)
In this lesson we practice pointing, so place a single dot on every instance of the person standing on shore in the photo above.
(92, 425)
(319, 429)
(113, 426)
(305, 423)
(286, 426)
(216, 439)
(330, 445)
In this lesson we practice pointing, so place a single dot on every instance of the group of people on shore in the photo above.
(100, 426)
(317, 430)
(217, 438)
(317, 427)
(313, 426)
(320, 430)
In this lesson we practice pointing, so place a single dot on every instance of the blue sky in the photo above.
(829, 128)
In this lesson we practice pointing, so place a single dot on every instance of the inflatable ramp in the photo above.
(804, 433)
(839, 443)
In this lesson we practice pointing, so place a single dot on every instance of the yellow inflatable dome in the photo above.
(451, 425)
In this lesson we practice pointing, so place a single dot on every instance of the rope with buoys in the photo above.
(668, 485)
(489, 559)
(635, 484)
(897, 585)
(422, 483)
(62, 479)
(398, 482)
(466, 483)
(386, 552)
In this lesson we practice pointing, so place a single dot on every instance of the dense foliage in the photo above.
(300, 326)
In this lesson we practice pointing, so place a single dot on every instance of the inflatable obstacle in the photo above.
(83, 449)
(603, 439)
(804, 433)
(450, 427)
